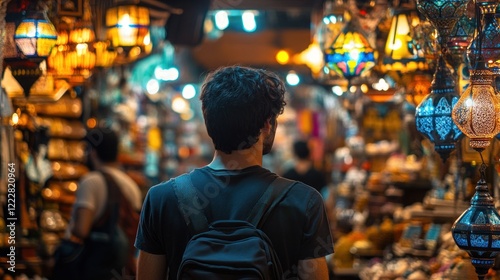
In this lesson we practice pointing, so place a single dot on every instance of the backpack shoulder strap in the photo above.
(187, 197)
(273, 195)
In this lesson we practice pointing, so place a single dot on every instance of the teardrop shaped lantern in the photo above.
(477, 112)
(433, 116)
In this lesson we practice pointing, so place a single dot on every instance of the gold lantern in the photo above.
(477, 112)
(128, 31)
(35, 35)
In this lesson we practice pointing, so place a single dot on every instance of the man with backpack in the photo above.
(234, 219)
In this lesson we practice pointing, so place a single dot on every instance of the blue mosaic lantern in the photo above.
(477, 230)
(433, 116)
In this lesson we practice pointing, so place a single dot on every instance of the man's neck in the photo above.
(237, 159)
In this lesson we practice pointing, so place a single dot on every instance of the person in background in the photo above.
(93, 221)
(240, 107)
(303, 169)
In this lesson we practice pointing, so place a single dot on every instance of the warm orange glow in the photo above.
(128, 26)
(184, 152)
(282, 57)
(91, 123)
(312, 57)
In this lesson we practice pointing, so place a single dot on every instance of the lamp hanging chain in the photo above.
(479, 29)
(482, 168)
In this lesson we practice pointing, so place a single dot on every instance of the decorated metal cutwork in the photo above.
(477, 112)
(443, 14)
(459, 40)
(490, 39)
(477, 230)
(434, 115)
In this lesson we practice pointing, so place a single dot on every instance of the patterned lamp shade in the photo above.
(477, 230)
(477, 113)
(35, 35)
(350, 55)
(433, 115)
(459, 41)
(490, 39)
(401, 50)
(128, 31)
(443, 14)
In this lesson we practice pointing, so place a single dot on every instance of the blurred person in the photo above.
(98, 245)
(240, 107)
(303, 169)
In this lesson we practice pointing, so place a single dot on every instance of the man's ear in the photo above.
(268, 124)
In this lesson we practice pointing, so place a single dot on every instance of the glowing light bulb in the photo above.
(221, 20)
(249, 23)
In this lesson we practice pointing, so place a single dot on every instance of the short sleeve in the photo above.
(148, 237)
(88, 193)
(317, 241)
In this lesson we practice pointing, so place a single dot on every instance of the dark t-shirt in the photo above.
(298, 226)
(312, 177)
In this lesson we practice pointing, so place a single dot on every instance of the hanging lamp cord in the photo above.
(482, 169)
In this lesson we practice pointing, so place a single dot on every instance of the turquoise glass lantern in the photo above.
(350, 55)
(477, 230)
(433, 116)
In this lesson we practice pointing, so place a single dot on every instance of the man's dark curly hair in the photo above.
(236, 103)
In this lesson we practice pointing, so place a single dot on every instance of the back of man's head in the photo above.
(236, 102)
(301, 149)
(105, 142)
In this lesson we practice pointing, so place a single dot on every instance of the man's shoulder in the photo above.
(304, 192)
(162, 187)
(91, 178)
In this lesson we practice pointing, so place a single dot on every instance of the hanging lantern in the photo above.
(477, 230)
(401, 52)
(477, 112)
(426, 38)
(335, 18)
(26, 73)
(30, 37)
(81, 54)
(105, 54)
(35, 35)
(459, 40)
(433, 116)
(57, 62)
(443, 14)
(128, 31)
(350, 55)
(490, 39)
